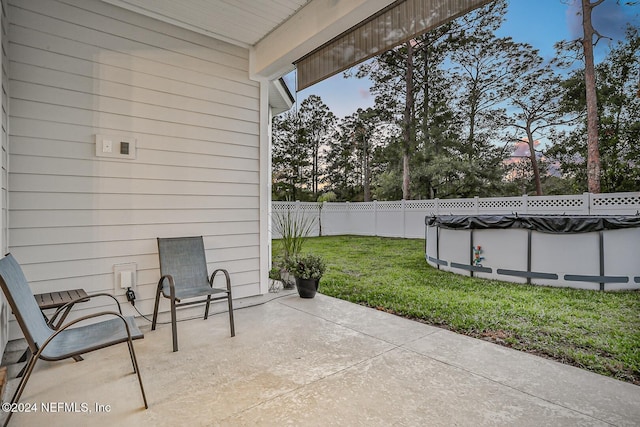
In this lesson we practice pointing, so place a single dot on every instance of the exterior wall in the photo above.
(82, 67)
(4, 88)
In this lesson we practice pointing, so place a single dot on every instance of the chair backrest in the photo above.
(24, 306)
(185, 260)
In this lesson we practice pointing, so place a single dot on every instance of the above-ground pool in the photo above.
(587, 252)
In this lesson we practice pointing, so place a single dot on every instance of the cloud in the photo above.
(521, 148)
(609, 18)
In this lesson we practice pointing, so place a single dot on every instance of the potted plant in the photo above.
(308, 270)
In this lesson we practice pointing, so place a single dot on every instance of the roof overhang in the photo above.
(312, 26)
(280, 97)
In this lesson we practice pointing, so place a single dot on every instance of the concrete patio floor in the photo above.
(323, 362)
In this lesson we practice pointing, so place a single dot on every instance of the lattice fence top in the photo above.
(419, 205)
(389, 206)
(501, 204)
(456, 204)
(616, 200)
(283, 206)
(309, 207)
(362, 207)
(549, 202)
(583, 204)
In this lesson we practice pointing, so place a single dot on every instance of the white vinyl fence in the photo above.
(406, 218)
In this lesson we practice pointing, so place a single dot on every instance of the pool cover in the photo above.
(542, 223)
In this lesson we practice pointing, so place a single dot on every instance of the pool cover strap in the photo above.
(542, 223)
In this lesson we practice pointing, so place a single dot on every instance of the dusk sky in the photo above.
(540, 23)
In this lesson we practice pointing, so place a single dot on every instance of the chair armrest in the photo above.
(70, 304)
(226, 275)
(172, 286)
(166, 277)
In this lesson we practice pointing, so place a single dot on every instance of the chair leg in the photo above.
(134, 360)
(155, 309)
(24, 358)
(21, 386)
(206, 310)
(233, 329)
(174, 326)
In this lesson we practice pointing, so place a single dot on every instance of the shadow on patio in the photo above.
(323, 362)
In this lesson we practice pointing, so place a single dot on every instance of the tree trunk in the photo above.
(593, 152)
(408, 124)
(315, 171)
(367, 170)
(534, 162)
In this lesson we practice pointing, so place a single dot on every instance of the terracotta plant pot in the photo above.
(307, 288)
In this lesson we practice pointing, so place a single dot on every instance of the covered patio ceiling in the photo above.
(239, 22)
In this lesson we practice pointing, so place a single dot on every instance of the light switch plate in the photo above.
(116, 146)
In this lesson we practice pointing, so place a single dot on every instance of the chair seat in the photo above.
(202, 290)
(86, 338)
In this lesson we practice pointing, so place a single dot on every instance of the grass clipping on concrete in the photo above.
(597, 331)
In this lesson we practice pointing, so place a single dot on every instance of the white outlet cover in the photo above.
(125, 276)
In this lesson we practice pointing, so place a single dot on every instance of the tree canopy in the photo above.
(461, 112)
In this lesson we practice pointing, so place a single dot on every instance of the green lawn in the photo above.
(593, 330)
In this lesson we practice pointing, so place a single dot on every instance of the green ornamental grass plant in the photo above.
(598, 331)
(295, 229)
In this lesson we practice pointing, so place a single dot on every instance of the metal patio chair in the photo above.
(183, 270)
(65, 341)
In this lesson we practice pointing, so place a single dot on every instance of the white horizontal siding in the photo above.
(176, 111)
(243, 145)
(4, 87)
(194, 167)
(79, 68)
(53, 201)
(96, 27)
(114, 249)
(53, 63)
(82, 184)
